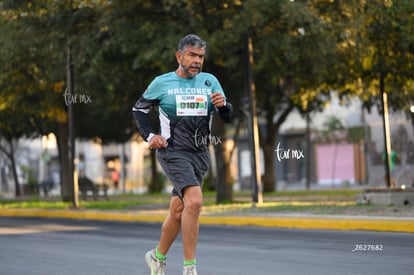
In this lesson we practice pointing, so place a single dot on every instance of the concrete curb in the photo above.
(386, 224)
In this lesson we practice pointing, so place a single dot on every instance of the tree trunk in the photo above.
(269, 146)
(156, 185)
(269, 184)
(10, 155)
(224, 182)
(63, 149)
(224, 185)
(14, 168)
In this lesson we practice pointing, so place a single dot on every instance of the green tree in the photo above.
(375, 43)
(35, 55)
(294, 50)
(387, 62)
(382, 51)
(24, 86)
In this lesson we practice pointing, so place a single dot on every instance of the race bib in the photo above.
(191, 105)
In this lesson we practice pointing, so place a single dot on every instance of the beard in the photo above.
(186, 69)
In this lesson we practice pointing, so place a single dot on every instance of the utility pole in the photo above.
(73, 179)
(387, 142)
(257, 196)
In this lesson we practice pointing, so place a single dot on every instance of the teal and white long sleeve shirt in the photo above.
(185, 109)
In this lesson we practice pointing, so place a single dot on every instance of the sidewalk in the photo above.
(388, 220)
(296, 220)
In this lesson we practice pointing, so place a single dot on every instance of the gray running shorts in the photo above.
(183, 168)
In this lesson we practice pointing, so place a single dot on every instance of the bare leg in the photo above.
(171, 226)
(193, 201)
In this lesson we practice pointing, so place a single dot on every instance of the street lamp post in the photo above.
(257, 196)
(387, 142)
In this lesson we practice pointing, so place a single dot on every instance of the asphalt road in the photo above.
(55, 246)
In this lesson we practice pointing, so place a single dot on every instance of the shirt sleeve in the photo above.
(226, 112)
(141, 109)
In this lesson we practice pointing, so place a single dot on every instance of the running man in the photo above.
(186, 99)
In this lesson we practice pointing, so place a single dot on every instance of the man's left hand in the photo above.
(218, 99)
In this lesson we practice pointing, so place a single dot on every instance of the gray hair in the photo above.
(191, 40)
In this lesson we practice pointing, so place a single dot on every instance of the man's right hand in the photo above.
(157, 142)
